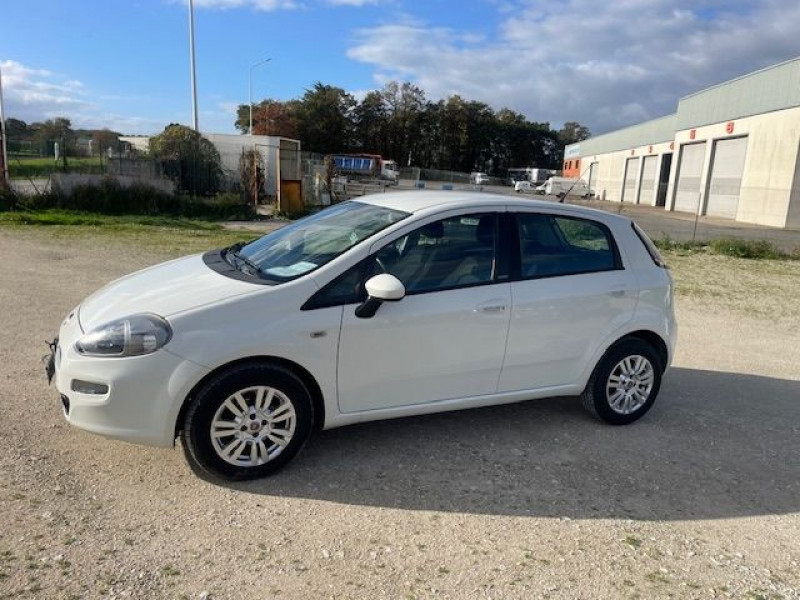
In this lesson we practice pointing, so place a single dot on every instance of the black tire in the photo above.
(595, 398)
(198, 445)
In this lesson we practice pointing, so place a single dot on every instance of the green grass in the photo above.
(41, 166)
(108, 222)
(164, 236)
(750, 249)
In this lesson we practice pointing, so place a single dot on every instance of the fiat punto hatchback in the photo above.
(393, 305)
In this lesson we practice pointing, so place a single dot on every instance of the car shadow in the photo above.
(715, 445)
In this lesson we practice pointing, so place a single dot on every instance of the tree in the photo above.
(398, 123)
(16, 129)
(103, 139)
(572, 132)
(58, 130)
(189, 158)
(325, 119)
(371, 124)
(270, 117)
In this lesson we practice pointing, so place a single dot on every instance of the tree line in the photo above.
(38, 138)
(399, 122)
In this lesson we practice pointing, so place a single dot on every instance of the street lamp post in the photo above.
(250, 90)
(191, 61)
(4, 180)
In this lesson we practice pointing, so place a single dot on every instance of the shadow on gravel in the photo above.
(715, 445)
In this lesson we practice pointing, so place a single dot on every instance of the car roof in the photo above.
(413, 201)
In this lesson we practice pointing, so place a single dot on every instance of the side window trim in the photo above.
(612, 244)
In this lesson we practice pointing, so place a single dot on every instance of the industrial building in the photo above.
(730, 151)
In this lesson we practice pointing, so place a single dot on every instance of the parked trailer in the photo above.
(366, 166)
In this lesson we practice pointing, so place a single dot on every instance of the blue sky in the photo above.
(124, 64)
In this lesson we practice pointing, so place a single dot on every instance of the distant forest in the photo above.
(399, 123)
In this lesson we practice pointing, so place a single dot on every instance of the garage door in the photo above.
(690, 170)
(629, 185)
(648, 180)
(726, 178)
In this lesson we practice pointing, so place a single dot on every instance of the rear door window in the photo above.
(552, 246)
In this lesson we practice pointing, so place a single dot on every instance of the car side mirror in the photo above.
(381, 288)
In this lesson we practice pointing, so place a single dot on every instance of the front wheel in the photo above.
(625, 383)
(247, 422)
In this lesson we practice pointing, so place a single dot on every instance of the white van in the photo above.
(561, 186)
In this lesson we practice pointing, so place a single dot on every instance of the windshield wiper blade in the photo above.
(234, 252)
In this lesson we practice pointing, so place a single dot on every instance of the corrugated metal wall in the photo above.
(649, 132)
(774, 88)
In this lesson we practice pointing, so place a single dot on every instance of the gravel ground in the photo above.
(700, 499)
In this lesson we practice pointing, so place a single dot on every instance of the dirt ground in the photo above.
(700, 499)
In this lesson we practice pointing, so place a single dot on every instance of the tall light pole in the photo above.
(250, 90)
(191, 61)
(4, 180)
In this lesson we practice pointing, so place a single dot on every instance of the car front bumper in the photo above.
(143, 394)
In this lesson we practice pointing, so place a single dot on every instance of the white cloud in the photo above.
(33, 94)
(29, 91)
(605, 66)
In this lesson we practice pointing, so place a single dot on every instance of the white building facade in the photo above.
(731, 151)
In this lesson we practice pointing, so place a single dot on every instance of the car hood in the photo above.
(164, 289)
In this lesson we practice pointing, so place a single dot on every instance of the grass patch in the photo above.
(42, 166)
(751, 249)
(165, 237)
(759, 249)
(111, 222)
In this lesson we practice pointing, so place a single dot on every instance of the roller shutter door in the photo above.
(648, 180)
(726, 178)
(629, 185)
(687, 196)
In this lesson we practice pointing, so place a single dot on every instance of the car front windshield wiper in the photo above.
(233, 252)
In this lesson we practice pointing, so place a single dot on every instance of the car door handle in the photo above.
(617, 293)
(490, 307)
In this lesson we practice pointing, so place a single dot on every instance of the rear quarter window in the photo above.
(553, 246)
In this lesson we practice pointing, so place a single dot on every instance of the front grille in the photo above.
(65, 404)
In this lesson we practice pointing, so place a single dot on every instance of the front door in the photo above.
(446, 339)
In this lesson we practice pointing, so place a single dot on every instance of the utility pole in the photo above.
(4, 180)
(191, 61)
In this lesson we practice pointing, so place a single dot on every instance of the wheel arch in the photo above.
(304, 374)
(650, 337)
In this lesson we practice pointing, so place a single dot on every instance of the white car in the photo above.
(524, 186)
(479, 178)
(394, 305)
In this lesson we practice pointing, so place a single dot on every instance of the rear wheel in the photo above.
(625, 383)
(247, 422)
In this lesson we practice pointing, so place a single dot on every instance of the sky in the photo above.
(124, 64)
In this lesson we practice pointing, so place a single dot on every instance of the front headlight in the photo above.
(131, 336)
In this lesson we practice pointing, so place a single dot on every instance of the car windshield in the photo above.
(309, 243)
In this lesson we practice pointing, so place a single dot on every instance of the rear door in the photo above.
(573, 292)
